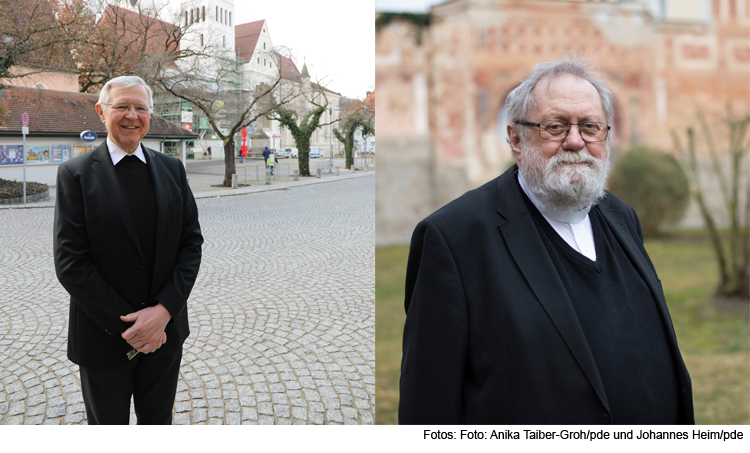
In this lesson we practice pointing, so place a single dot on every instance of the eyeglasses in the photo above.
(141, 109)
(557, 130)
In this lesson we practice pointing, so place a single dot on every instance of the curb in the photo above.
(36, 197)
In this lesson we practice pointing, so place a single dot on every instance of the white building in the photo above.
(212, 22)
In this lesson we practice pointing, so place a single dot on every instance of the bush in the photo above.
(654, 184)
(14, 189)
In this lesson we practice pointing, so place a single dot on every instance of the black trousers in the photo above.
(151, 379)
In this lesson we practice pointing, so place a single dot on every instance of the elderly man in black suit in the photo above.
(127, 247)
(531, 300)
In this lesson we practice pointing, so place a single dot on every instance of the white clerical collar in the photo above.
(117, 153)
(574, 217)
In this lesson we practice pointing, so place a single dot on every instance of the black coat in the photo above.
(99, 261)
(491, 336)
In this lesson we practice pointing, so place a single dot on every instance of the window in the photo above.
(221, 15)
(192, 19)
(186, 19)
(264, 46)
(230, 18)
(201, 39)
(217, 13)
(203, 13)
(223, 41)
(258, 60)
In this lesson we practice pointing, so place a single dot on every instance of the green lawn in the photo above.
(714, 338)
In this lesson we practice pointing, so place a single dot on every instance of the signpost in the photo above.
(24, 131)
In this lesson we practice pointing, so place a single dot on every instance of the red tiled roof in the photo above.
(246, 38)
(65, 113)
(325, 89)
(132, 25)
(288, 68)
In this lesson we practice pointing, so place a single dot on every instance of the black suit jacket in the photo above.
(100, 263)
(491, 335)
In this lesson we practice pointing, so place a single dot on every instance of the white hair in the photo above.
(123, 82)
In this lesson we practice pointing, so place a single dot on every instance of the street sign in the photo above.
(25, 132)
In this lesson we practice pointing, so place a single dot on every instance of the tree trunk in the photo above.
(349, 147)
(303, 151)
(229, 166)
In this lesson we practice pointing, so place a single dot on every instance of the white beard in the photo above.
(566, 187)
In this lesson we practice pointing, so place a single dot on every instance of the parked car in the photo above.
(282, 153)
(291, 152)
(315, 154)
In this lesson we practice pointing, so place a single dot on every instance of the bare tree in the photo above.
(125, 42)
(213, 84)
(734, 258)
(39, 35)
(358, 117)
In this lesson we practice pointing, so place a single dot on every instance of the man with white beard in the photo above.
(531, 299)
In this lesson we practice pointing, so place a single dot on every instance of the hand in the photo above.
(147, 334)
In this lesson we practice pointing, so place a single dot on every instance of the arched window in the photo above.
(217, 13)
(230, 18)
(201, 39)
(221, 15)
(186, 19)
(223, 41)
(203, 13)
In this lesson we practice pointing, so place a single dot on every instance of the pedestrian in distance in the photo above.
(209, 152)
(266, 153)
(271, 162)
(127, 248)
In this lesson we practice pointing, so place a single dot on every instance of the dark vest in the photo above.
(621, 322)
(138, 188)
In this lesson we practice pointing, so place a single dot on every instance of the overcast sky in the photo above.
(412, 6)
(335, 37)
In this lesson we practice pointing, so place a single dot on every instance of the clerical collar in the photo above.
(574, 217)
(117, 153)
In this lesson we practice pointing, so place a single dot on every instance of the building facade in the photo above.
(247, 52)
(442, 81)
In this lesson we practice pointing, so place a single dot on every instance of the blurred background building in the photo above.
(442, 78)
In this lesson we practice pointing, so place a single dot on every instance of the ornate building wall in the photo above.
(454, 75)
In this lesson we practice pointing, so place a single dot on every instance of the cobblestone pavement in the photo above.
(282, 314)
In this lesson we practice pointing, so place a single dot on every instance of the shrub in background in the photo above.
(654, 184)
(14, 189)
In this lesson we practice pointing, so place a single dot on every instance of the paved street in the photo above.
(282, 315)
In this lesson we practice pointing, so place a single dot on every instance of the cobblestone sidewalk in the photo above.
(282, 314)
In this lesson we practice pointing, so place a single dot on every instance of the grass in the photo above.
(714, 337)
(390, 271)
